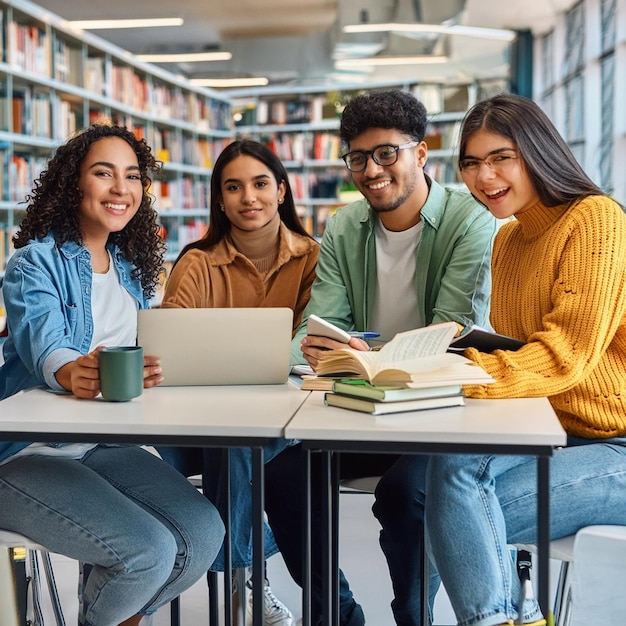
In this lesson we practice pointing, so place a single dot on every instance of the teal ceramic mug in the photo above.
(121, 372)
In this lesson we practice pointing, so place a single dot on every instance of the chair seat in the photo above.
(9, 539)
(560, 549)
(366, 484)
(598, 579)
(32, 591)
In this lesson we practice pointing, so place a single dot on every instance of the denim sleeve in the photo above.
(38, 321)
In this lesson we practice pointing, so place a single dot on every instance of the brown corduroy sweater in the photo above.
(224, 277)
(559, 284)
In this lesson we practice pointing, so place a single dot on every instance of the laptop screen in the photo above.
(225, 346)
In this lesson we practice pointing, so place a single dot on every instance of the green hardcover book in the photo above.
(360, 388)
(384, 408)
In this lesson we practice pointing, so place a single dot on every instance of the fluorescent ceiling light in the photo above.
(467, 31)
(185, 57)
(420, 59)
(138, 23)
(230, 82)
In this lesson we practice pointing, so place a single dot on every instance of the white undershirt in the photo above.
(114, 313)
(395, 303)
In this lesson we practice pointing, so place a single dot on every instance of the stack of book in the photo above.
(359, 395)
(413, 371)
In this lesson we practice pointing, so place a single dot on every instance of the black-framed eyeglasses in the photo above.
(387, 154)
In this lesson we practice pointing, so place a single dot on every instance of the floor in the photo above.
(361, 560)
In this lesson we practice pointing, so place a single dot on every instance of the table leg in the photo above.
(334, 503)
(214, 609)
(327, 538)
(258, 529)
(306, 556)
(228, 559)
(543, 531)
(424, 586)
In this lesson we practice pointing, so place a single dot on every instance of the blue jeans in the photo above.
(479, 504)
(147, 532)
(399, 507)
(209, 463)
(284, 499)
(283, 505)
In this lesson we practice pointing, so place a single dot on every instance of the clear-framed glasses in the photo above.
(497, 162)
(387, 154)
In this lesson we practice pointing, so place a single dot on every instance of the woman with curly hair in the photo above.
(87, 257)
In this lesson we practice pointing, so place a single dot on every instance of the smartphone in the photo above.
(317, 326)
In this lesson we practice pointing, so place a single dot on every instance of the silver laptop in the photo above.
(245, 346)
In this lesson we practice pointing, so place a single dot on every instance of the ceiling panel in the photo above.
(295, 40)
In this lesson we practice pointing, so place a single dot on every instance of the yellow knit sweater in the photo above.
(559, 284)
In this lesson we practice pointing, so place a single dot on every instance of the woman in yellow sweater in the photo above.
(559, 284)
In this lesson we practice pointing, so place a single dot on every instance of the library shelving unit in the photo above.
(301, 125)
(55, 80)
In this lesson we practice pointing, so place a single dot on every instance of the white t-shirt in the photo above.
(114, 313)
(395, 303)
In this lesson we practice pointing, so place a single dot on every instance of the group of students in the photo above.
(535, 249)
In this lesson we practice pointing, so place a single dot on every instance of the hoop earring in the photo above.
(221, 207)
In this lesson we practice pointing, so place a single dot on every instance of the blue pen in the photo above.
(364, 335)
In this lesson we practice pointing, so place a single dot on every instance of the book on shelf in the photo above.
(359, 388)
(415, 358)
(384, 408)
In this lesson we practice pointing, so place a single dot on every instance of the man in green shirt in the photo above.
(409, 254)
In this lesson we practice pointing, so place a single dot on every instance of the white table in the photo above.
(224, 416)
(526, 426)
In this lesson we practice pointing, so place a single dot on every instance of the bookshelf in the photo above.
(55, 80)
(301, 125)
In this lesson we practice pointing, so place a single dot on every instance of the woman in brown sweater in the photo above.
(256, 253)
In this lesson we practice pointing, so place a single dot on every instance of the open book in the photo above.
(415, 358)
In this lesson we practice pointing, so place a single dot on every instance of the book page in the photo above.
(441, 369)
(406, 351)
(414, 344)
(348, 361)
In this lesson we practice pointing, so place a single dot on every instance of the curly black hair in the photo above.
(391, 108)
(52, 205)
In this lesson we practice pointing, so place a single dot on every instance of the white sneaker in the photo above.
(274, 611)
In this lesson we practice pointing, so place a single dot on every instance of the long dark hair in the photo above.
(52, 206)
(553, 170)
(219, 224)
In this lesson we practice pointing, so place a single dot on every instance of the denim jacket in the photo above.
(47, 294)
